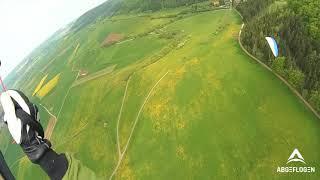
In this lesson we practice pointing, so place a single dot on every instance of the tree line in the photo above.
(154, 5)
(295, 26)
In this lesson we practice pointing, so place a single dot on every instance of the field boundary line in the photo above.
(292, 89)
(134, 125)
(65, 97)
(80, 130)
(78, 74)
(48, 111)
(50, 127)
(51, 123)
(119, 117)
(73, 54)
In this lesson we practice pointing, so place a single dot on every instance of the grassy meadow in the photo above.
(217, 114)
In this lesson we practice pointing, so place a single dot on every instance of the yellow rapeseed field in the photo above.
(39, 85)
(48, 87)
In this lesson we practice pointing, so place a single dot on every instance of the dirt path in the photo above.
(53, 120)
(48, 111)
(73, 53)
(306, 103)
(134, 125)
(51, 124)
(119, 117)
(49, 130)
(71, 137)
(94, 76)
(65, 97)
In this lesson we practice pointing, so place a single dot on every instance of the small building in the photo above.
(83, 73)
(215, 3)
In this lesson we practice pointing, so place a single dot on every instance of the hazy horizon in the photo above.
(27, 24)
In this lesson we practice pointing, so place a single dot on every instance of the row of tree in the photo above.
(154, 5)
(295, 28)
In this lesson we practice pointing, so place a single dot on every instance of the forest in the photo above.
(295, 24)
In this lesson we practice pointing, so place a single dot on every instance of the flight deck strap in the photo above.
(27, 120)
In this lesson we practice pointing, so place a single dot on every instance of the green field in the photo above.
(215, 114)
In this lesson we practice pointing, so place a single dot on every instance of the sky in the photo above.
(24, 25)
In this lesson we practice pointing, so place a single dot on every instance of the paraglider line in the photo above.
(2, 84)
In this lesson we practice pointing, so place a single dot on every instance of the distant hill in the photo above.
(106, 9)
(112, 7)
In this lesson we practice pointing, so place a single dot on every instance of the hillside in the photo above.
(162, 94)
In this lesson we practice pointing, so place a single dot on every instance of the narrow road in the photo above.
(48, 111)
(134, 125)
(51, 124)
(73, 53)
(119, 117)
(65, 97)
(93, 76)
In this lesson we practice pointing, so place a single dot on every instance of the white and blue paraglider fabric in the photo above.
(273, 46)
